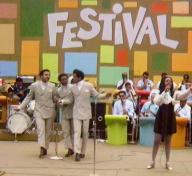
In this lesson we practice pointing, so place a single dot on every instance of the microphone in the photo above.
(166, 90)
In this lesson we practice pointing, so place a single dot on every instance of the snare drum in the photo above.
(18, 122)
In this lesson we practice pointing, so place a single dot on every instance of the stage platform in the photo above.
(28, 135)
(5, 135)
(21, 159)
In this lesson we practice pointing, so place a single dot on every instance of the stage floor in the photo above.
(21, 159)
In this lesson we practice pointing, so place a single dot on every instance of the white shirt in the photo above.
(183, 86)
(127, 105)
(189, 99)
(130, 96)
(121, 82)
(141, 84)
(43, 85)
(80, 84)
(183, 112)
(150, 109)
(70, 79)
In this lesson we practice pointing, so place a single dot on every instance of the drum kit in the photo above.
(21, 122)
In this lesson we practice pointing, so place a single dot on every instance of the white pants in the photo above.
(44, 127)
(81, 128)
(68, 132)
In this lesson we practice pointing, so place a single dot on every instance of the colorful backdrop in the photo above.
(102, 37)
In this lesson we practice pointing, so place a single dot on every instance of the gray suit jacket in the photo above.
(65, 94)
(82, 105)
(44, 100)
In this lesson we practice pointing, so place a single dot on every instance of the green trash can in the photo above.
(116, 129)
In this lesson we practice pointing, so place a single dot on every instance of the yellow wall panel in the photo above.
(131, 4)
(156, 78)
(140, 62)
(7, 38)
(183, 61)
(68, 3)
(177, 79)
(30, 57)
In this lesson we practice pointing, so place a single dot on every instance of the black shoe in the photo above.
(43, 152)
(82, 155)
(77, 157)
(69, 153)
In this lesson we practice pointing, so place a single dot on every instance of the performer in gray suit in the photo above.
(82, 91)
(43, 92)
(65, 102)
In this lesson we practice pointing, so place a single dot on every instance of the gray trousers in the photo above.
(44, 128)
(81, 128)
(68, 132)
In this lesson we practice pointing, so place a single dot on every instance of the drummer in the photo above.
(18, 90)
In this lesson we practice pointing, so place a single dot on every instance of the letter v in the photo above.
(131, 31)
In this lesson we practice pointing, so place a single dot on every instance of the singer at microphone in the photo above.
(167, 88)
(165, 122)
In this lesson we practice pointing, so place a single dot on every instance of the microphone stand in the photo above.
(94, 137)
(56, 157)
(190, 132)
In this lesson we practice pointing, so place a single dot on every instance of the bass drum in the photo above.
(18, 122)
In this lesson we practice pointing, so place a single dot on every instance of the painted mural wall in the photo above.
(101, 37)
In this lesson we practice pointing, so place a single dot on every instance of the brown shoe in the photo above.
(69, 153)
(77, 157)
(82, 155)
(43, 152)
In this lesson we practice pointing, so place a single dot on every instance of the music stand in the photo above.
(56, 127)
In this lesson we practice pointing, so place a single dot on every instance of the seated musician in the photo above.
(121, 83)
(186, 83)
(123, 106)
(181, 109)
(18, 90)
(145, 83)
(130, 93)
(150, 109)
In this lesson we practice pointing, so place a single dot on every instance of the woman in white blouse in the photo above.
(165, 122)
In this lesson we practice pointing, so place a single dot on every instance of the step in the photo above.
(5, 135)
